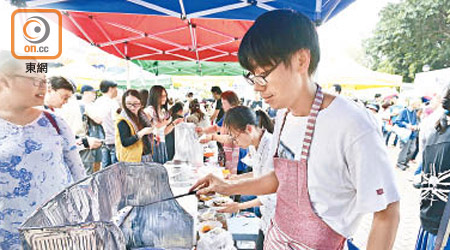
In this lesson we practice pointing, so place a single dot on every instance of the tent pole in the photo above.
(330, 12)
(128, 75)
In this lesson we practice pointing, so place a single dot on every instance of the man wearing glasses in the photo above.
(331, 166)
(38, 156)
(59, 92)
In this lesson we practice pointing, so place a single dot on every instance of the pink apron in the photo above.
(231, 157)
(295, 224)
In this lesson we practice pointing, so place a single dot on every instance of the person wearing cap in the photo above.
(331, 166)
(91, 157)
(38, 156)
(108, 106)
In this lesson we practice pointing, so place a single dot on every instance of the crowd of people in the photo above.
(315, 162)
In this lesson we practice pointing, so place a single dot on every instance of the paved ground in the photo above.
(409, 210)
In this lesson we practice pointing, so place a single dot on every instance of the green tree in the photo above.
(409, 35)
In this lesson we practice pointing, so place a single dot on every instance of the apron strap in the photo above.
(309, 127)
(279, 136)
(311, 124)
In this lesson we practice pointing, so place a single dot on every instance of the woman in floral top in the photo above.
(38, 155)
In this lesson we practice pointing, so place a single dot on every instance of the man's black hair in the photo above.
(59, 82)
(337, 88)
(276, 36)
(106, 84)
(216, 90)
(175, 109)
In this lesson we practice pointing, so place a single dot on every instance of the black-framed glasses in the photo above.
(260, 79)
(234, 138)
(134, 105)
(37, 81)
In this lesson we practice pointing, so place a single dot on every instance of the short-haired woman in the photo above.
(233, 154)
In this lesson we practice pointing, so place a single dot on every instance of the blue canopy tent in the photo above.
(198, 31)
(318, 10)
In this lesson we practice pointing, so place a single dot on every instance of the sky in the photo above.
(339, 37)
(343, 34)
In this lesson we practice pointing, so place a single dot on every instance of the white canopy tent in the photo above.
(432, 82)
(352, 76)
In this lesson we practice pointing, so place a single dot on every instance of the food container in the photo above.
(108, 210)
(206, 226)
(218, 202)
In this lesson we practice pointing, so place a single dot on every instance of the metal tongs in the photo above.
(168, 199)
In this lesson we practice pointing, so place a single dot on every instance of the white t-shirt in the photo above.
(107, 109)
(261, 161)
(349, 170)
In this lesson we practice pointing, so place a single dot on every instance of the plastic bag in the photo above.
(187, 146)
(403, 133)
(216, 239)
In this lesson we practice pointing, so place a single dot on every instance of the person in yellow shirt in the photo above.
(133, 142)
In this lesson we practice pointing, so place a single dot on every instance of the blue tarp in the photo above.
(318, 10)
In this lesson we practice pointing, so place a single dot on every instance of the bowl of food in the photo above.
(206, 226)
(205, 198)
(207, 215)
(218, 202)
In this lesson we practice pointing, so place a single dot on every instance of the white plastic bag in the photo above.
(216, 239)
(187, 147)
(403, 133)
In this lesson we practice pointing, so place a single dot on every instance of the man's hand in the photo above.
(144, 131)
(199, 130)
(206, 139)
(210, 184)
(231, 207)
(94, 143)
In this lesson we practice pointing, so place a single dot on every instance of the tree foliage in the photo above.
(409, 35)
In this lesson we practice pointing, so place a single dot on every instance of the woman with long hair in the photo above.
(144, 97)
(196, 115)
(159, 115)
(253, 130)
(233, 154)
(435, 186)
(133, 142)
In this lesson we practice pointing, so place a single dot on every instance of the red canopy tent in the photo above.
(147, 37)
(154, 30)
